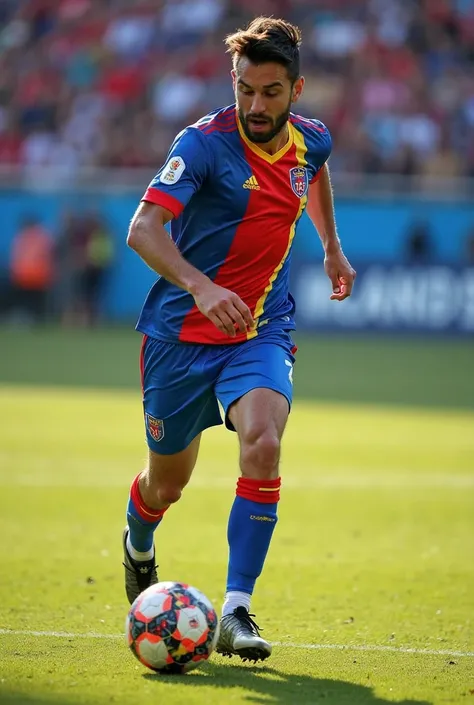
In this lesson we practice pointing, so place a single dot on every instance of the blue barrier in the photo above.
(372, 230)
(387, 297)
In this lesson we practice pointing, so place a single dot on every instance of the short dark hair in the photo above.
(267, 39)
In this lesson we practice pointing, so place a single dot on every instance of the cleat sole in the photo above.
(252, 654)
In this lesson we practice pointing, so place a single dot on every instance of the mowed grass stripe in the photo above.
(370, 556)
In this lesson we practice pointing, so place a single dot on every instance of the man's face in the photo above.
(264, 95)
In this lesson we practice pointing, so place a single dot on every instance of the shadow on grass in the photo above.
(259, 684)
(269, 685)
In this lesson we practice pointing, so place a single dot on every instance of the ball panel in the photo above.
(151, 651)
(192, 624)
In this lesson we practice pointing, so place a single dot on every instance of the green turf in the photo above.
(373, 548)
(404, 371)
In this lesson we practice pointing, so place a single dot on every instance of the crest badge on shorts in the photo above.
(299, 180)
(155, 427)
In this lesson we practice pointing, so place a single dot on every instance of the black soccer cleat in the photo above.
(138, 574)
(239, 636)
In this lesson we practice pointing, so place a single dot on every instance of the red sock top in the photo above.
(146, 513)
(263, 491)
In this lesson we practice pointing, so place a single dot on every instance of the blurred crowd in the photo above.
(108, 83)
(59, 275)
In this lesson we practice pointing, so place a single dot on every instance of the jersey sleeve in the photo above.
(187, 166)
(319, 148)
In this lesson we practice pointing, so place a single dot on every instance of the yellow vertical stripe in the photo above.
(301, 150)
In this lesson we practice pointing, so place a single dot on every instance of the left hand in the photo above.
(340, 273)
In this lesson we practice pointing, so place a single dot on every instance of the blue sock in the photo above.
(142, 520)
(250, 530)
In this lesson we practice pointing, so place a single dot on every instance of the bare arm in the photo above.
(148, 237)
(320, 209)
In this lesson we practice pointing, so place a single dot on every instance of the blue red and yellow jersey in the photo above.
(235, 211)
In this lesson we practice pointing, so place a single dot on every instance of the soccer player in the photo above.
(217, 323)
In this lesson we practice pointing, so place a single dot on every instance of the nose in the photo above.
(258, 105)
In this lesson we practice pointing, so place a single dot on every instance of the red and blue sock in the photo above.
(251, 524)
(141, 519)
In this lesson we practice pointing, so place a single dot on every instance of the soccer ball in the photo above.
(172, 627)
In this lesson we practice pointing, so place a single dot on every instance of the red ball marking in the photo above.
(147, 636)
(140, 616)
(202, 638)
(167, 604)
(200, 657)
(188, 644)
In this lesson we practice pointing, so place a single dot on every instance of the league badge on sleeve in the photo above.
(299, 181)
(155, 427)
(173, 170)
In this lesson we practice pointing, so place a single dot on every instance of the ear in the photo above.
(297, 89)
(234, 79)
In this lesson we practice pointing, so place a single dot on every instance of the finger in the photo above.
(217, 322)
(335, 282)
(344, 293)
(227, 322)
(237, 317)
(347, 283)
(245, 312)
(340, 294)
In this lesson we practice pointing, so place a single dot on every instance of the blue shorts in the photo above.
(183, 383)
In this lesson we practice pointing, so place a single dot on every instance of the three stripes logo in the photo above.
(251, 184)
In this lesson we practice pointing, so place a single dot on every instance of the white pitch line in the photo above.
(281, 644)
(374, 647)
(62, 635)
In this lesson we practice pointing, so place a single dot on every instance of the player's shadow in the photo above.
(269, 685)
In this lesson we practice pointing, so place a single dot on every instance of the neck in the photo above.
(277, 142)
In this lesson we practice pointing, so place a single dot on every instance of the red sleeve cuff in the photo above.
(315, 177)
(154, 195)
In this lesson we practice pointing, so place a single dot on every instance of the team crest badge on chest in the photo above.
(155, 427)
(299, 180)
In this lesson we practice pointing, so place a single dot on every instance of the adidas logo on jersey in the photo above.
(252, 184)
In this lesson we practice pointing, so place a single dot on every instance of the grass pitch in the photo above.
(368, 588)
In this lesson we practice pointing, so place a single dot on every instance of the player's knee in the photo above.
(260, 454)
(169, 494)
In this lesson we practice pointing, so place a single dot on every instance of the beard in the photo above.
(275, 125)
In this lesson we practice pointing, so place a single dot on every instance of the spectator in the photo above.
(32, 270)
(108, 83)
(98, 258)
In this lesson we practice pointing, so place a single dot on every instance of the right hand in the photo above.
(224, 308)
